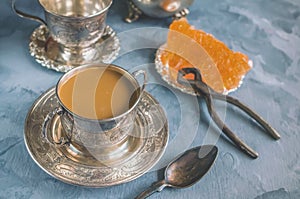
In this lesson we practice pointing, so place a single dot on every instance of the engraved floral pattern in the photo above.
(48, 53)
(74, 32)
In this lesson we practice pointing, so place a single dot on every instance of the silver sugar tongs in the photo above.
(209, 94)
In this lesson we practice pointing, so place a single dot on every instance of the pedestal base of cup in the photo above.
(75, 56)
(53, 55)
(103, 155)
(111, 156)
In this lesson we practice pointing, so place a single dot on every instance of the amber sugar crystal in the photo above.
(221, 68)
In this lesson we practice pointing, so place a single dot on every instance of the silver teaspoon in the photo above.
(185, 170)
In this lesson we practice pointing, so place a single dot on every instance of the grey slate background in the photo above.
(266, 30)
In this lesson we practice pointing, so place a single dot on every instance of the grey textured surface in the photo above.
(267, 30)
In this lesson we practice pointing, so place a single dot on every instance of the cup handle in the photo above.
(145, 78)
(25, 15)
(49, 117)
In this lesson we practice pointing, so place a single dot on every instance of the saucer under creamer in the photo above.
(53, 55)
(145, 146)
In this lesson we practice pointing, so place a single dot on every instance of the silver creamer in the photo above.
(157, 8)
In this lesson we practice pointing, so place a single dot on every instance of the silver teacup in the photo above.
(101, 138)
(76, 29)
(73, 23)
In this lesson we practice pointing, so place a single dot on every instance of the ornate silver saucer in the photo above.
(52, 55)
(147, 144)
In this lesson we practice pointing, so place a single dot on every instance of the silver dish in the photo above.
(164, 71)
(52, 55)
(148, 143)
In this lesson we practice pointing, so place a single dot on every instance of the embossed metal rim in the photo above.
(39, 38)
(85, 17)
(33, 125)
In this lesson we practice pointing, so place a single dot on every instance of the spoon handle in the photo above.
(156, 187)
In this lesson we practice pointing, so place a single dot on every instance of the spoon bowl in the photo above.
(185, 170)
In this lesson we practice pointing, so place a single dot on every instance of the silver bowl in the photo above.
(157, 8)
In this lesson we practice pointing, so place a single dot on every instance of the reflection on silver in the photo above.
(53, 55)
(147, 144)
